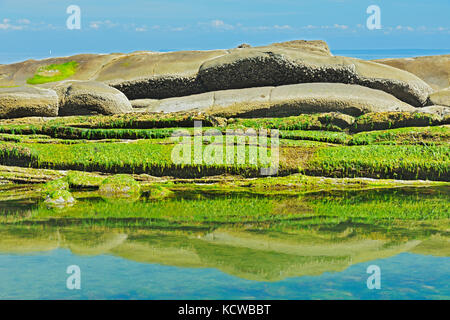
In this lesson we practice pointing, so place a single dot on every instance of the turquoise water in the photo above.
(6, 58)
(42, 276)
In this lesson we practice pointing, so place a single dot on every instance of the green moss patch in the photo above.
(383, 161)
(53, 72)
(55, 185)
(391, 120)
(119, 185)
(416, 135)
(80, 179)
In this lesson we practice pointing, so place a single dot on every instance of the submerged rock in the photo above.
(159, 193)
(120, 185)
(57, 193)
(19, 102)
(90, 97)
(55, 185)
(60, 198)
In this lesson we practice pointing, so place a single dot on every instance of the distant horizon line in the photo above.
(189, 49)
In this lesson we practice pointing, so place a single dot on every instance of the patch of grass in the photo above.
(53, 72)
(383, 161)
(418, 135)
(142, 156)
(136, 121)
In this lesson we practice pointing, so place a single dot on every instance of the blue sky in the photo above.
(31, 28)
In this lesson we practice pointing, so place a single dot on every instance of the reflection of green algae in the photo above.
(239, 252)
(263, 238)
(198, 209)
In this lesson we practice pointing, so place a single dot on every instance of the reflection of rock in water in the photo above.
(97, 246)
(252, 255)
(306, 255)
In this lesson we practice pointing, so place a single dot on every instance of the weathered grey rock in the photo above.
(434, 70)
(313, 46)
(155, 75)
(90, 97)
(194, 102)
(297, 99)
(441, 97)
(287, 100)
(275, 66)
(143, 103)
(20, 102)
(440, 111)
(88, 67)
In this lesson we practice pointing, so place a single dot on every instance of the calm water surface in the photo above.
(310, 247)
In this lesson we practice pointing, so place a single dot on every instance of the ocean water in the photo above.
(7, 58)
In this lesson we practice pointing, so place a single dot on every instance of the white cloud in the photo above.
(285, 27)
(219, 24)
(340, 26)
(100, 24)
(94, 25)
(6, 25)
(406, 28)
(178, 29)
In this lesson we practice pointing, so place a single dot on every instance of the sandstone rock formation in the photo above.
(90, 97)
(198, 72)
(434, 70)
(279, 79)
(28, 101)
(285, 101)
(441, 97)
(439, 111)
(156, 75)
